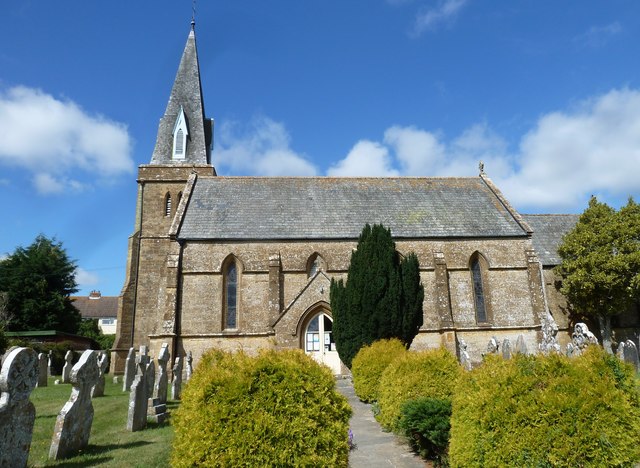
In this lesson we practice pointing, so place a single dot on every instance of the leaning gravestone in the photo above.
(98, 388)
(129, 370)
(73, 425)
(137, 415)
(521, 346)
(18, 378)
(189, 366)
(43, 369)
(66, 370)
(463, 354)
(506, 349)
(176, 383)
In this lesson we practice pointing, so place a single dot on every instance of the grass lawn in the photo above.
(110, 444)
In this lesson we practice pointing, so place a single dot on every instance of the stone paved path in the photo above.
(375, 447)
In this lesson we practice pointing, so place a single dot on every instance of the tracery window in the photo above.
(314, 264)
(231, 296)
(478, 268)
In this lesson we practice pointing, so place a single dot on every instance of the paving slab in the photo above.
(375, 448)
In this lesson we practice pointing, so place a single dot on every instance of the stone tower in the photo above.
(147, 304)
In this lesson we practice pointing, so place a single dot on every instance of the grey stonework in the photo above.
(493, 347)
(18, 378)
(43, 369)
(162, 381)
(521, 345)
(98, 388)
(150, 376)
(189, 366)
(129, 370)
(582, 337)
(137, 414)
(549, 343)
(628, 352)
(463, 354)
(66, 369)
(73, 425)
(506, 349)
(176, 381)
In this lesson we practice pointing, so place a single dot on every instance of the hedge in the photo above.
(370, 363)
(279, 408)
(432, 373)
(536, 411)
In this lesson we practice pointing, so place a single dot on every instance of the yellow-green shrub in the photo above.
(369, 364)
(275, 409)
(534, 411)
(433, 373)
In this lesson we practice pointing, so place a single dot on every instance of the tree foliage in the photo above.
(381, 298)
(601, 263)
(37, 282)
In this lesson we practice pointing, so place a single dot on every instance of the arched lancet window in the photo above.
(231, 296)
(180, 134)
(315, 264)
(179, 143)
(167, 204)
(479, 268)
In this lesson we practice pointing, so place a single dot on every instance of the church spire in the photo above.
(184, 133)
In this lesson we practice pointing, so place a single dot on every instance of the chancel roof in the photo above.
(548, 230)
(235, 208)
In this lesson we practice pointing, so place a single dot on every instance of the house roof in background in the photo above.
(96, 305)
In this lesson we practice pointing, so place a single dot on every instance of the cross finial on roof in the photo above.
(481, 167)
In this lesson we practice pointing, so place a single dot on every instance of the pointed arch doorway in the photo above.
(318, 341)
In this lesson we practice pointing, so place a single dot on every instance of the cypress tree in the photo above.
(381, 298)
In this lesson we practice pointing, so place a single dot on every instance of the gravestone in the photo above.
(571, 350)
(50, 364)
(129, 370)
(176, 383)
(73, 425)
(628, 352)
(162, 382)
(521, 345)
(43, 369)
(463, 354)
(189, 366)
(143, 356)
(493, 346)
(506, 349)
(98, 388)
(137, 415)
(68, 364)
(150, 375)
(549, 343)
(581, 338)
(18, 378)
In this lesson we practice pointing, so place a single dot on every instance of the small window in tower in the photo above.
(179, 142)
(180, 136)
(167, 205)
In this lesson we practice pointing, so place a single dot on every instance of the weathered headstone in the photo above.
(162, 381)
(50, 364)
(143, 355)
(68, 364)
(506, 349)
(571, 350)
(18, 378)
(549, 343)
(176, 383)
(493, 346)
(43, 369)
(98, 388)
(150, 375)
(129, 370)
(628, 352)
(463, 354)
(189, 366)
(582, 337)
(521, 345)
(73, 425)
(137, 415)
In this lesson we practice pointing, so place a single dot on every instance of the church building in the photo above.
(246, 262)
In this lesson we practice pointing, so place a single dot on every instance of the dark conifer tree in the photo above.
(381, 298)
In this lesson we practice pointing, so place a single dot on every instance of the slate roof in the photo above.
(234, 208)
(548, 230)
(103, 307)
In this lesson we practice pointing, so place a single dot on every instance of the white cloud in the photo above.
(86, 278)
(598, 36)
(429, 19)
(262, 148)
(591, 149)
(53, 138)
(366, 158)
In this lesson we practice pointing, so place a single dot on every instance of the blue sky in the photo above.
(546, 93)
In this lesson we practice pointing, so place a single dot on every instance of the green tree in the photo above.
(37, 282)
(600, 266)
(381, 298)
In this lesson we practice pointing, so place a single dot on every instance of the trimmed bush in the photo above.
(370, 363)
(426, 422)
(433, 373)
(279, 408)
(535, 411)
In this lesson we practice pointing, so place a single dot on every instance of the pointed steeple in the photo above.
(176, 144)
